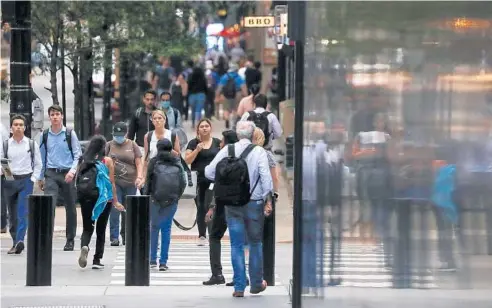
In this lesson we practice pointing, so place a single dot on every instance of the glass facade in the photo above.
(397, 154)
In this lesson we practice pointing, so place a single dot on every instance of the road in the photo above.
(39, 83)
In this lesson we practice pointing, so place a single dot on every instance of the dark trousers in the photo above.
(202, 203)
(55, 185)
(86, 207)
(216, 229)
(4, 214)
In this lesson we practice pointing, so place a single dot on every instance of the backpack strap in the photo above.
(246, 151)
(149, 140)
(68, 137)
(45, 144)
(5, 148)
(230, 151)
(31, 149)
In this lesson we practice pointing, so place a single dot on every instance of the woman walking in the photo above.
(127, 159)
(199, 153)
(161, 217)
(166, 181)
(160, 132)
(96, 189)
(197, 94)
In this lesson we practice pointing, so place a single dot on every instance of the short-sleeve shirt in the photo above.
(204, 157)
(237, 79)
(124, 155)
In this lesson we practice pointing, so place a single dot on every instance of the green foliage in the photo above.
(139, 26)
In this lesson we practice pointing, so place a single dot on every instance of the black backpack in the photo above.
(261, 121)
(229, 90)
(166, 189)
(232, 186)
(85, 181)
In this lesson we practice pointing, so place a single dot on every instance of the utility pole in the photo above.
(62, 54)
(20, 63)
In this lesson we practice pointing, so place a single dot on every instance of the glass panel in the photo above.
(397, 159)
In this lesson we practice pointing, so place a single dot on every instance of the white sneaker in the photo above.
(84, 251)
(202, 241)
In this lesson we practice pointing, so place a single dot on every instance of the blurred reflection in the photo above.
(397, 159)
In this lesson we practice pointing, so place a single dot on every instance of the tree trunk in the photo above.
(77, 91)
(54, 59)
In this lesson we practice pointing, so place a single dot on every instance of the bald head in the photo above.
(245, 130)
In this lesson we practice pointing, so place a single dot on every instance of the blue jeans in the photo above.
(197, 103)
(15, 195)
(241, 221)
(161, 219)
(114, 218)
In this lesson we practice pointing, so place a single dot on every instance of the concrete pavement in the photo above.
(72, 285)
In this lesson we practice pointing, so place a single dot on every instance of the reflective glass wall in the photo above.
(397, 157)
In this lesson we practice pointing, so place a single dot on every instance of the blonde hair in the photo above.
(160, 112)
(258, 137)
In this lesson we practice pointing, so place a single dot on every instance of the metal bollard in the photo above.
(269, 247)
(289, 152)
(137, 272)
(40, 240)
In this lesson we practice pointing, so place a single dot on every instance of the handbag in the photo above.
(191, 183)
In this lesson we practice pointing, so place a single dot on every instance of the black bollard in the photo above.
(269, 247)
(40, 240)
(289, 152)
(137, 235)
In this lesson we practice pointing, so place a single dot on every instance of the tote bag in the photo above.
(191, 182)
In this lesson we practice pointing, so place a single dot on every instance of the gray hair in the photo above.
(245, 130)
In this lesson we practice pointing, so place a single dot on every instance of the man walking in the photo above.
(141, 121)
(243, 185)
(60, 152)
(25, 167)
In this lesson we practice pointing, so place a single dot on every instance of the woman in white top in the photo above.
(160, 132)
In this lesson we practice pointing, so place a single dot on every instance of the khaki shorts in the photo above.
(230, 104)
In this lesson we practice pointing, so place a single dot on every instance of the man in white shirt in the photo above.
(25, 165)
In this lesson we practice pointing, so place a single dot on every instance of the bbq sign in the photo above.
(259, 21)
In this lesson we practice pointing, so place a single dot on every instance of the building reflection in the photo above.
(397, 159)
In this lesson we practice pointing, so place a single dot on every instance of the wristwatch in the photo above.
(275, 195)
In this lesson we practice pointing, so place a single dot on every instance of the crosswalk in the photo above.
(363, 266)
(189, 265)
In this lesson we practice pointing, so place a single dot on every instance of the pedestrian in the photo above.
(217, 226)
(229, 84)
(60, 152)
(253, 74)
(141, 121)
(172, 114)
(197, 94)
(270, 125)
(150, 146)
(96, 190)
(243, 185)
(179, 91)
(247, 104)
(163, 76)
(25, 167)
(165, 183)
(199, 153)
(128, 174)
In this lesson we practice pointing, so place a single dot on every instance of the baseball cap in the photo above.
(120, 129)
